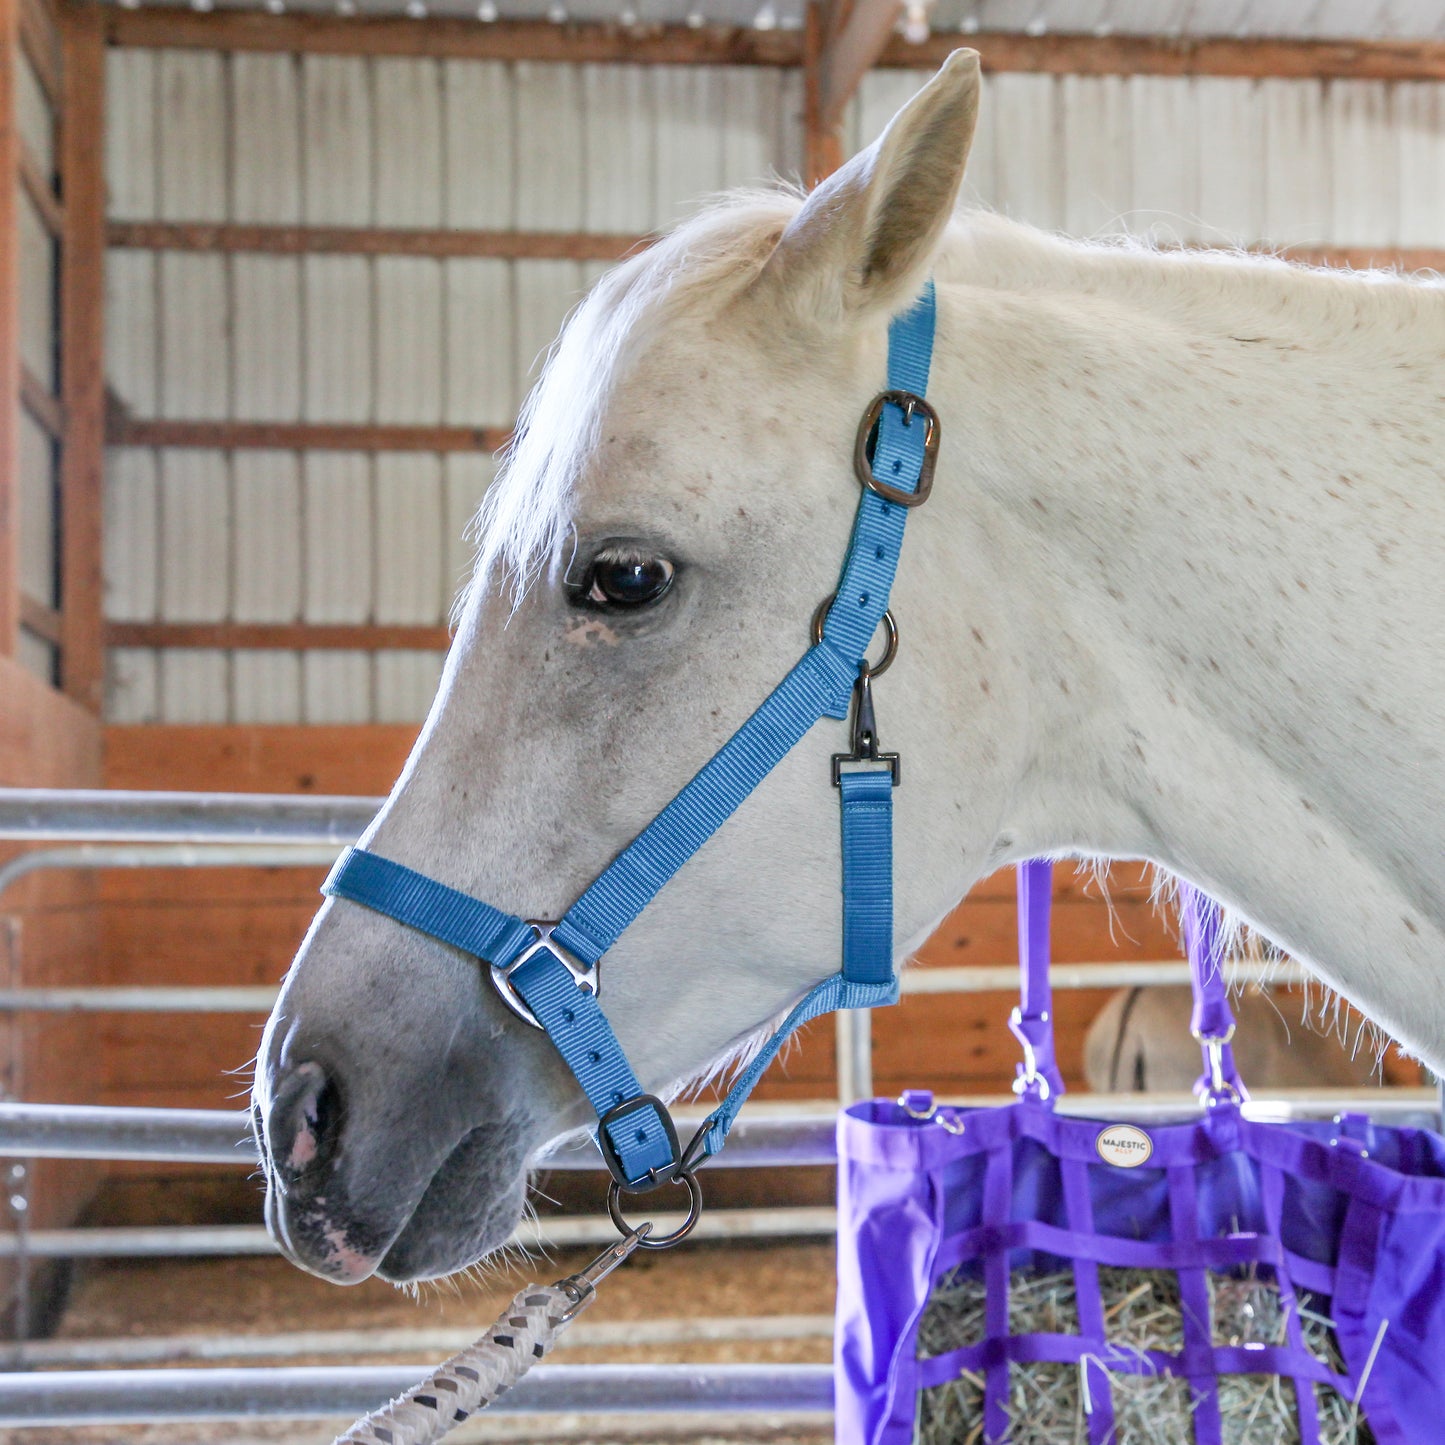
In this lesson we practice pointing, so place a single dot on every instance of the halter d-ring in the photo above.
(661, 1241)
(890, 627)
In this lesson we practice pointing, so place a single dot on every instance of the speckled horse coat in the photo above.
(1178, 595)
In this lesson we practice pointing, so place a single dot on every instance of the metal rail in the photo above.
(200, 1240)
(102, 815)
(779, 1136)
(586, 1334)
(769, 1137)
(167, 855)
(84, 1397)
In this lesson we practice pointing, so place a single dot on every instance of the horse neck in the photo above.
(1156, 468)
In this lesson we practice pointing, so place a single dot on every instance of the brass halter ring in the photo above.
(890, 648)
(660, 1241)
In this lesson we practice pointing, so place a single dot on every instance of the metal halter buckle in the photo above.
(910, 404)
(584, 977)
(639, 1104)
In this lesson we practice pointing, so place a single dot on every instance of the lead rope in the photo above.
(476, 1376)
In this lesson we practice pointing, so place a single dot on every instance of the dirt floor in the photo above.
(265, 1296)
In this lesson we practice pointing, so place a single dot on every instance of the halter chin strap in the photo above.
(549, 973)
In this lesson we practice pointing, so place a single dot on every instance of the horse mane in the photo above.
(524, 520)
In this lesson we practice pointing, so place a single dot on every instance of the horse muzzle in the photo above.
(344, 1216)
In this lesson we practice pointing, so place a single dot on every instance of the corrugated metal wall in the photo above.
(347, 538)
(334, 537)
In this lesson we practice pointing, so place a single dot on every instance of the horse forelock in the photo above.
(522, 527)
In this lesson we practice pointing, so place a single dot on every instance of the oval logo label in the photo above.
(1124, 1146)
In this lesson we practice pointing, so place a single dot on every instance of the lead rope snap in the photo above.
(473, 1379)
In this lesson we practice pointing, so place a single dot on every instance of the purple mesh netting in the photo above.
(1346, 1213)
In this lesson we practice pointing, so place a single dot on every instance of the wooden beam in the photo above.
(1248, 59)
(305, 436)
(40, 39)
(372, 241)
(822, 144)
(45, 407)
(285, 637)
(82, 364)
(42, 620)
(1056, 54)
(9, 335)
(1363, 258)
(42, 195)
(851, 54)
(161, 26)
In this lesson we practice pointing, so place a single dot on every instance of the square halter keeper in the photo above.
(548, 972)
(1342, 1221)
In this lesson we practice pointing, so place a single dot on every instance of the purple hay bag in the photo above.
(1347, 1210)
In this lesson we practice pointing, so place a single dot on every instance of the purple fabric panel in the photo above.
(1080, 1213)
(890, 1222)
(1299, 1149)
(997, 1204)
(1272, 1193)
(1049, 1239)
(1032, 1022)
(1360, 1221)
(1391, 1276)
(1197, 1357)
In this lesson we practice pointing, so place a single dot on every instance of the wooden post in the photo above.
(82, 373)
(9, 336)
(823, 146)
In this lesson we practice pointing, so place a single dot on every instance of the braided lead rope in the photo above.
(474, 1378)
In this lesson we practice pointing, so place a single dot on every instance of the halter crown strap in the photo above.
(549, 973)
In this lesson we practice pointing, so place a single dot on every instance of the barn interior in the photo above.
(274, 281)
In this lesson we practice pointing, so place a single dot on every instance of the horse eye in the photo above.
(618, 579)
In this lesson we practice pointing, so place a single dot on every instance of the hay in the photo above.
(1142, 1311)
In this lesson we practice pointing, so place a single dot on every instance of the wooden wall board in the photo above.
(49, 934)
(358, 761)
(297, 240)
(82, 365)
(10, 513)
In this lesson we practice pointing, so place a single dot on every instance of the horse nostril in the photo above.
(304, 1121)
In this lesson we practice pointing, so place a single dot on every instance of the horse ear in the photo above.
(865, 237)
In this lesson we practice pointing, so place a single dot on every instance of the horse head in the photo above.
(675, 504)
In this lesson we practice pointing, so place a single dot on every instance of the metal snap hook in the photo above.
(890, 648)
(661, 1241)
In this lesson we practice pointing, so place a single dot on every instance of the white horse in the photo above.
(1178, 595)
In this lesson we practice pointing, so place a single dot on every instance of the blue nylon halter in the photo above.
(550, 972)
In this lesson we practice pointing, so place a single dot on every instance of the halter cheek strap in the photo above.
(549, 973)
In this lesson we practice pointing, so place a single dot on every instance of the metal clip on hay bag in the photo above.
(1013, 1275)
